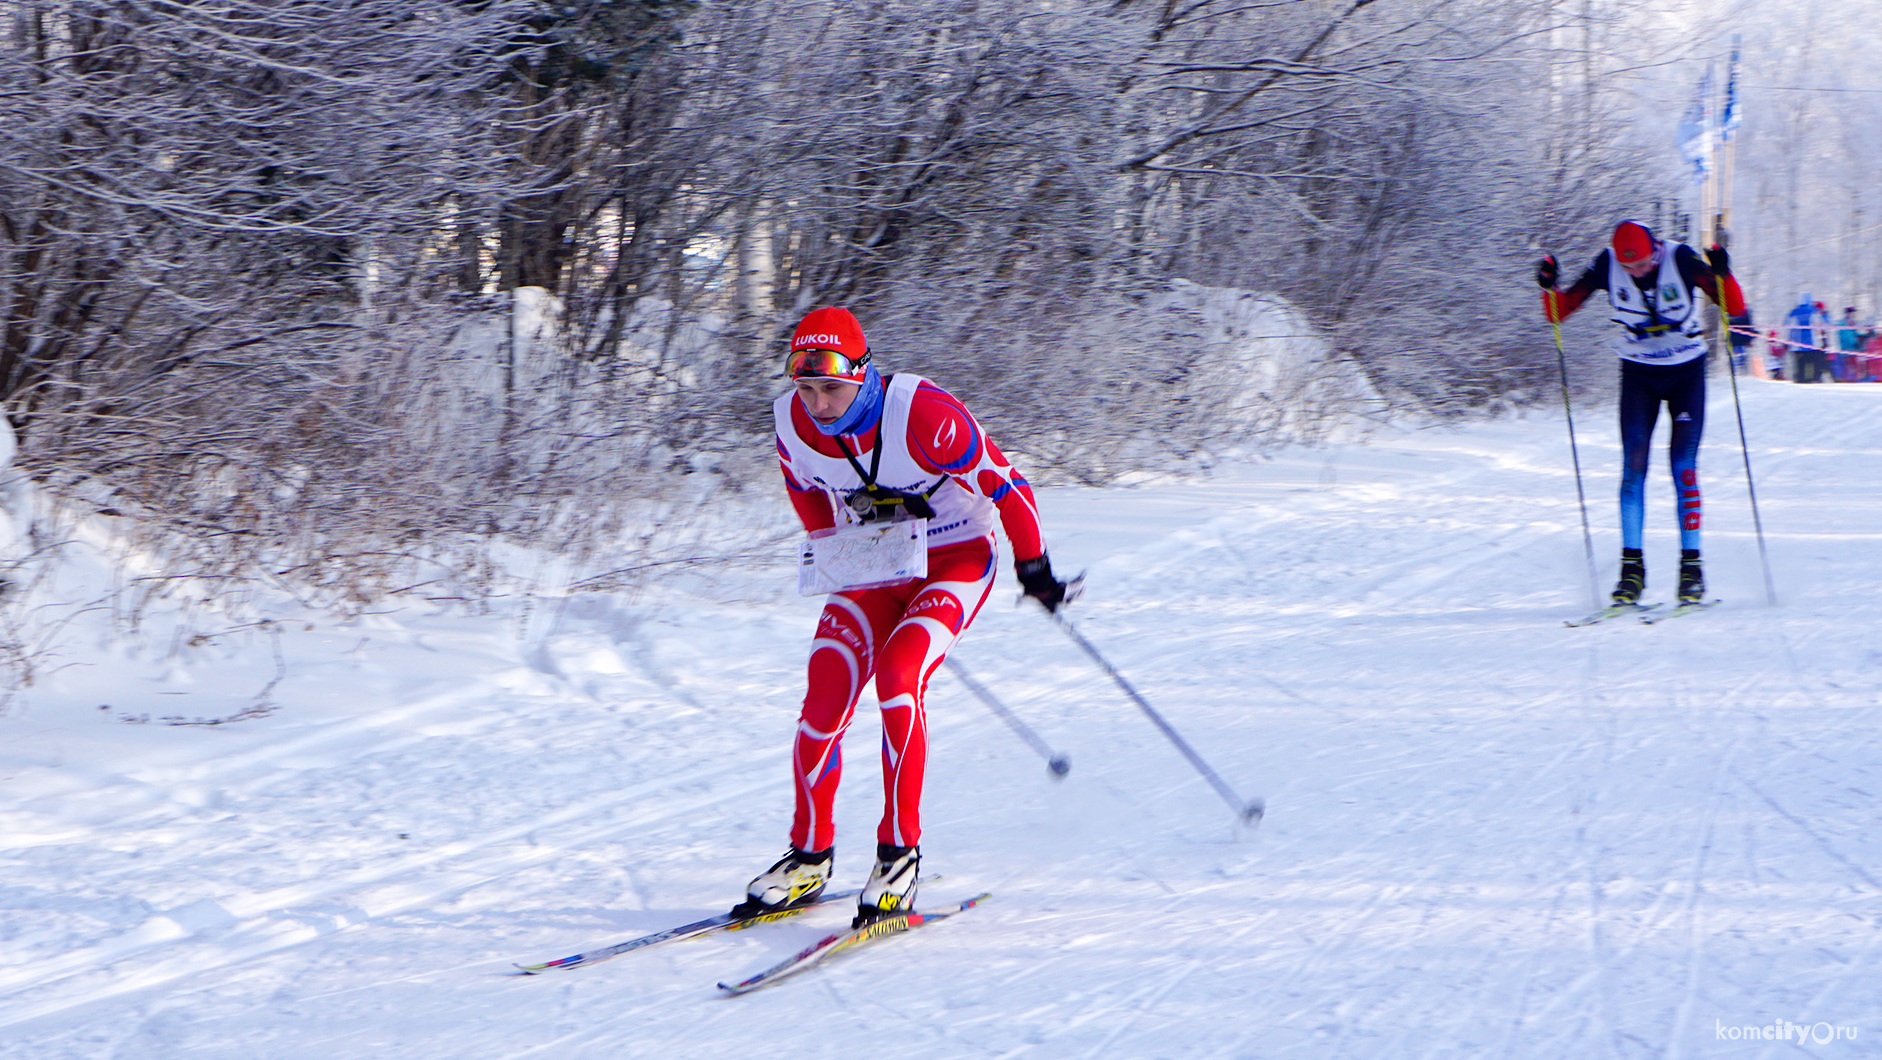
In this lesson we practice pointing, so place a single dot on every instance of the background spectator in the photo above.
(1849, 339)
(1741, 337)
(1809, 327)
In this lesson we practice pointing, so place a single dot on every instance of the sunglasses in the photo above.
(819, 364)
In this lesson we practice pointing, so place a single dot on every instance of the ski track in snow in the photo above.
(1487, 835)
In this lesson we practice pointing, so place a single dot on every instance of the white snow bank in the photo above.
(16, 501)
(1265, 366)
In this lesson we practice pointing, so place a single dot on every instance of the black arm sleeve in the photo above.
(1693, 269)
(1593, 278)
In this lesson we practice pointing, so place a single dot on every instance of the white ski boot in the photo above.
(891, 886)
(796, 879)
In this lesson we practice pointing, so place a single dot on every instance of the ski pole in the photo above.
(1574, 452)
(1744, 446)
(1249, 813)
(1058, 764)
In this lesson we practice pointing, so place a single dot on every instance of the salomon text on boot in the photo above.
(891, 886)
(796, 879)
(1633, 578)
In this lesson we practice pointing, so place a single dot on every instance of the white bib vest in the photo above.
(959, 514)
(1663, 325)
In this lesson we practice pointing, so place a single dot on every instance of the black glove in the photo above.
(1547, 272)
(1035, 576)
(1720, 261)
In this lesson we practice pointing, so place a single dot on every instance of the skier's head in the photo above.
(830, 370)
(829, 344)
(1635, 248)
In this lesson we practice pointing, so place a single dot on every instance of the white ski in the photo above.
(831, 945)
(1611, 611)
(1683, 609)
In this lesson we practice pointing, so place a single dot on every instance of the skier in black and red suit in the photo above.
(857, 447)
(1650, 284)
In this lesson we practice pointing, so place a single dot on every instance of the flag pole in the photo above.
(1708, 230)
(1728, 122)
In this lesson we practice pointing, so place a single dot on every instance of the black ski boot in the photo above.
(1633, 578)
(1692, 577)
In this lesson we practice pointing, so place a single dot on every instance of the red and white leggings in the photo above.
(898, 634)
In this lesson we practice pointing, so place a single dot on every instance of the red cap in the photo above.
(833, 328)
(1633, 243)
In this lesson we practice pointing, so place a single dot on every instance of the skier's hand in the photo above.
(1547, 272)
(1720, 261)
(1035, 576)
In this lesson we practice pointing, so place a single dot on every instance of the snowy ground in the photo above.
(1487, 835)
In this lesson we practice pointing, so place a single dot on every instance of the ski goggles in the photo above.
(811, 363)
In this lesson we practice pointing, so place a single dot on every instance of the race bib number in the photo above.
(1661, 349)
(863, 557)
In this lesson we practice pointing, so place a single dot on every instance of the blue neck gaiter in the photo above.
(863, 412)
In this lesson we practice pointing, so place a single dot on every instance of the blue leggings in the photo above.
(1643, 387)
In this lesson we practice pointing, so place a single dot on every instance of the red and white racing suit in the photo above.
(899, 633)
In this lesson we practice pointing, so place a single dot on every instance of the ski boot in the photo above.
(1692, 577)
(796, 879)
(1633, 578)
(891, 887)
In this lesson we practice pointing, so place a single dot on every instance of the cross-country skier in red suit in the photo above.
(856, 447)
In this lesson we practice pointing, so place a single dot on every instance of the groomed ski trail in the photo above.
(1486, 834)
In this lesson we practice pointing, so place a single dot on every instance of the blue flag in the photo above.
(1695, 130)
(1729, 120)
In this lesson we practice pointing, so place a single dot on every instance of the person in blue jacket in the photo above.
(1809, 332)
